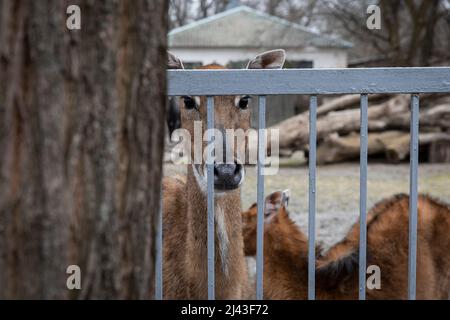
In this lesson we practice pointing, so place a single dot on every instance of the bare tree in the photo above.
(180, 12)
(408, 35)
(80, 147)
(299, 11)
(221, 5)
(204, 7)
(272, 6)
(413, 33)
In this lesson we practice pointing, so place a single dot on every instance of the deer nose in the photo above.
(227, 176)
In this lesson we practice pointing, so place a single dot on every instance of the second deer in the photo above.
(286, 252)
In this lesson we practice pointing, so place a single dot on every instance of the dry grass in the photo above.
(338, 191)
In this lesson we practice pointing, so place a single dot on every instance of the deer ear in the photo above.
(268, 60)
(285, 196)
(272, 204)
(173, 61)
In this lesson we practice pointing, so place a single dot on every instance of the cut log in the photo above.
(439, 152)
(335, 148)
(393, 144)
(438, 116)
(390, 115)
(345, 102)
(294, 132)
(398, 149)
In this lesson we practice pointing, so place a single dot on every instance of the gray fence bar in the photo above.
(260, 199)
(413, 167)
(308, 81)
(312, 199)
(363, 197)
(210, 204)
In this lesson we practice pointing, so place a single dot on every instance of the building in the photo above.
(236, 35)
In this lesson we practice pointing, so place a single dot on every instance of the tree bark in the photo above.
(81, 146)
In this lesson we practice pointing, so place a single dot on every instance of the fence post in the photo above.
(414, 163)
(312, 199)
(363, 197)
(260, 200)
(210, 204)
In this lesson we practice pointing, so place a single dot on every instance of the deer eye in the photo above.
(243, 102)
(189, 103)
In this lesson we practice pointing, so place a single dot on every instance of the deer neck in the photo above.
(285, 262)
(229, 252)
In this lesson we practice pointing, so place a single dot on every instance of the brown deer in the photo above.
(285, 252)
(185, 203)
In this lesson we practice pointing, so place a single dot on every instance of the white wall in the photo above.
(322, 58)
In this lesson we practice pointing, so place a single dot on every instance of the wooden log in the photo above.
(337, 148)
(398, 149)
(439, 152)
(345, 102)
(294, 132)
(393, 144)
(438, 116)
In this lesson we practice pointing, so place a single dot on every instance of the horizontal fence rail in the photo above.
(311, 82)
(308, 81)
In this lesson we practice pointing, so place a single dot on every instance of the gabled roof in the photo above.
(245, 27)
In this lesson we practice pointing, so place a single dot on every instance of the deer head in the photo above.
(230, 112)
(275, 208)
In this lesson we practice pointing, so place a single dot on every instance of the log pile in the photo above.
(338, 125)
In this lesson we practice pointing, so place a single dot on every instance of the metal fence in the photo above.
(312, 82)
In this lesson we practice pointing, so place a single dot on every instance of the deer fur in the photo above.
(185, 210)
(185, 236)
(286, 250)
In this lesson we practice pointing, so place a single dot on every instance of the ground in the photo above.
(337, 192)
(337, 206)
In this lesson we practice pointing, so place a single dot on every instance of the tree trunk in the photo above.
(81, 145)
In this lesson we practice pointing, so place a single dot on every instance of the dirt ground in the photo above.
(337, 191)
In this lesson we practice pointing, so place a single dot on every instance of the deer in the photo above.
(286, 252)
(185, 202)
(173, 109)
